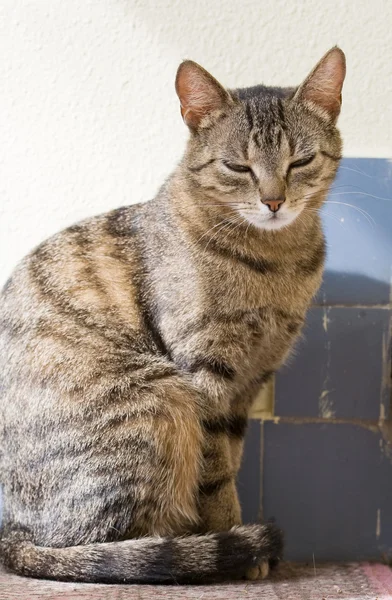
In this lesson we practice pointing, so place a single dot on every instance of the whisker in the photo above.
(361, 194)
(226, 205)
(357, 171)
(313, 193)
(247, 229)
(300, 218)
(211, 228)
(227, 225)
(325, 189)
(368, 217)
(242, 222)
(327, 214)
(233, 230)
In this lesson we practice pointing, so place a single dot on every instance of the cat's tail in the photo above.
(189, 559)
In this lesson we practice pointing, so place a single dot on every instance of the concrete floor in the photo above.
(352, 581)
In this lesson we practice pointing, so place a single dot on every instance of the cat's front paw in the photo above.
(259, 572)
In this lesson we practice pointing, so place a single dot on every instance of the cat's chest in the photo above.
(263, 314)
(242, 315)
(247, 289)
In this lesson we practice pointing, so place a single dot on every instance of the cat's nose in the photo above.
(274, 204)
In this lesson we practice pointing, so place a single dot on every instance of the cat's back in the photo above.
(80, 271)
(76, 300)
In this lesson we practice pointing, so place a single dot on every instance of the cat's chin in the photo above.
(271, 223)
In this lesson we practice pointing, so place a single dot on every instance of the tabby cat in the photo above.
(133, 343)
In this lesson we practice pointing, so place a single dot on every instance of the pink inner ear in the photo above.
(198, 91)
(324, 85)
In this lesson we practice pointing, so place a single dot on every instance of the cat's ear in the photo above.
(323, 86)
(199, 93)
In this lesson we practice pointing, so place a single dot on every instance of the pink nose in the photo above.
(274, 205)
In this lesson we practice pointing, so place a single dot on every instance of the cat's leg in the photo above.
(240, 407)
(132, 463)
(223, 446)
(239, 417)
(219, 507)
(222, 452)
(237, 440)
(236, 450)
(224, 431)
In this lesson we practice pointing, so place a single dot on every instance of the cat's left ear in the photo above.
(199, 92)
(323, 87)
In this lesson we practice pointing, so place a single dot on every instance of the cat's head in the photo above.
(267, 153)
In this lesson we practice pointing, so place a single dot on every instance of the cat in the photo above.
(133, 343)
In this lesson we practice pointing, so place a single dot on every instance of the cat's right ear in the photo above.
(200, 94)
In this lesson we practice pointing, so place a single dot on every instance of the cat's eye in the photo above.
(237, 168)
(302, 162)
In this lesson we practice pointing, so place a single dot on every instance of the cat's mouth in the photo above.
(274, 221)
(278, 220)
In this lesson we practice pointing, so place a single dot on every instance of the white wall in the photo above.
(89, 119)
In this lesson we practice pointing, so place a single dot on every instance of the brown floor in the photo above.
(289, 582)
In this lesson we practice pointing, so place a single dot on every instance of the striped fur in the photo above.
(132, 346)
(191, 559)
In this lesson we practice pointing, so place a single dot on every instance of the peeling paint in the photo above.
(271, 419)
(327, 413)
(354, 305)
(386, 440)
(386, 376)
(378, 524)
(369, 425)
(326, 405)
(326, 320)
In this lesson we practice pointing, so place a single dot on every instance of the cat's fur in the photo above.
(133, 343)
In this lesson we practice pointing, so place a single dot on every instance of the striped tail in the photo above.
(190, 559)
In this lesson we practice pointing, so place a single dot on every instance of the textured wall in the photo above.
(89, 119)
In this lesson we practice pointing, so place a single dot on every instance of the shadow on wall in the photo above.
(353, 289)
